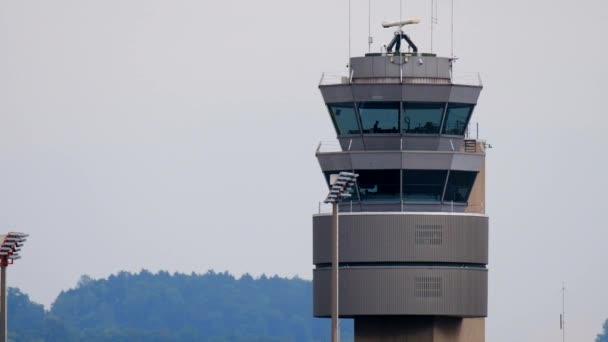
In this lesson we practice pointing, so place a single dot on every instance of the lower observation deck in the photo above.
(404, 263)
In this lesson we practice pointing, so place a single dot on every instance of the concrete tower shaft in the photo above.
(414, 237)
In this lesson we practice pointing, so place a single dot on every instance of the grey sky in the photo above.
(180, 135)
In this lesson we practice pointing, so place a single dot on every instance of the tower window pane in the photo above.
(423, 185)
(459, 186)
(422, 118)
(379, 117)
(379, 184)
(457, 118)
(345, 120)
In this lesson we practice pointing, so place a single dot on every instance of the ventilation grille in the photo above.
(429, 234)
(428, 287)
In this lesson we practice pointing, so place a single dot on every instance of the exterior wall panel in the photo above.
(403, 238)
(456, 292)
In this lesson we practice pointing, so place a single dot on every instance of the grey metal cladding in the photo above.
(382, 142)
(404, 238)
(425, 93)
(407, 160)
(390, 66)
(337, 161)
(352, 143)
(466, 162)
(432, 291)
(337, 94)
(377, 160)
(464, 94)
(377, 92)
(399, 92)
(426, 161)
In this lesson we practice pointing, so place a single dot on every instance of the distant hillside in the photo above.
(604, 336)
(162, 307)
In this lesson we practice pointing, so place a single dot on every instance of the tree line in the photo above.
(163, 307)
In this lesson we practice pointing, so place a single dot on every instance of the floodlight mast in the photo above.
(341, 184)
(9, 252)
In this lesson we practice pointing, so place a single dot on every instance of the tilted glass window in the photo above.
(379, 117)
(457, 118)
(459, 186)
(344, 117)
(422, 118)
(423, 185)
(379, 184)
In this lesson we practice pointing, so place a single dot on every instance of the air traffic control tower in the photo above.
(413, 239)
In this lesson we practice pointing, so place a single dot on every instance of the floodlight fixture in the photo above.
(10, 246)
(341, 185)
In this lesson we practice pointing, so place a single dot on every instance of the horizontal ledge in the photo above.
(432, 265)
(416, 213)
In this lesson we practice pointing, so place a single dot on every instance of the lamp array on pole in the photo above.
(341, 184)
(10, 247)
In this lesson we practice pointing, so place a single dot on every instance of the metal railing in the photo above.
(467, 78)
(343, 77)
(336, 77)
(352, 206)
(329, 146)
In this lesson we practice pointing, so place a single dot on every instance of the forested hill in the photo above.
(164, 307)
(604, 336)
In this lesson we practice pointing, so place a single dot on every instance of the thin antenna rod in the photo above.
(452, 31)
(349, 37)
(369, 27)
(563, 320)
(400, 10)
(432, 21)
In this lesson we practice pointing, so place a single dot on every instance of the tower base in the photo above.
(419, 329)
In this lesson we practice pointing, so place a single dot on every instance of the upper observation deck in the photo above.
(388, 101)
(401, 68)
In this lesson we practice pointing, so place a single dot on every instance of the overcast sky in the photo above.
(180, 135)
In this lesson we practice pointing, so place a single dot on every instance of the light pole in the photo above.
(341, 185)
(9, 252)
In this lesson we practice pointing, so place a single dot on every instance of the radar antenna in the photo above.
(399, 34)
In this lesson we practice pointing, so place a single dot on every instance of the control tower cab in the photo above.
(413, 238)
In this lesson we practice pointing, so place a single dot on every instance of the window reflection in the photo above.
(459, 186)
(379, 184)
(422, 118)
(457, 118)
(379, 117)
(344, 117)
(423, 185)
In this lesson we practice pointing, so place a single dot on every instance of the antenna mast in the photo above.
(349, 38)
(452, 31)
(562, 321)
(434, 20)
(370, 39)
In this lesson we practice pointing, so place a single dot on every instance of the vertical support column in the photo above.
(335, 329)
(3, 300)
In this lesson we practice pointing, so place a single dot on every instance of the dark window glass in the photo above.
(457, 118)
(352, 191)
(423, 185)
(379, 117)
(459, 186)
(422, 118)
(379, 184)
(344, 118)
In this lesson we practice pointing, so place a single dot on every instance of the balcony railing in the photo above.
(343, 77)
